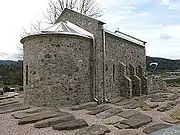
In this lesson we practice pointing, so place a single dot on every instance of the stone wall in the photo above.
(96, 28)
(118, 51)
(57, 69)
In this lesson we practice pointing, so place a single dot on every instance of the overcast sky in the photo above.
(155, 21)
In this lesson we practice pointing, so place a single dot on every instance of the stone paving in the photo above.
(123, 115)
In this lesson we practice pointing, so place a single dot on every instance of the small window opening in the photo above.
(113, 73)
(26, 74)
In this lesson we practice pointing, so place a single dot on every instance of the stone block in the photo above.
(71, 125)
(53, 121)
(42, 116)
(137, 120)
(99, 109)
(128, 113)
(121, 126)
(13, 107)
(94, 130)
(84, 106)
(112, 120)
(135, 105)
(154, 128)
(176, 114)
(171, 120)
(109, 113)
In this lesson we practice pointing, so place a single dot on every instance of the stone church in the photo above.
(76, 61)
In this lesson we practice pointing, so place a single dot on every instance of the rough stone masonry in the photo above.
(79, 61)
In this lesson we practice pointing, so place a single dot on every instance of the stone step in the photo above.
(154, 128)
(94, 130)
(42, 116)
(109, 113)
(84, 106)
(99, 109)
(71, 125)
(137, 120)
(53, 121)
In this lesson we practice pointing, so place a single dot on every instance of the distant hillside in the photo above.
(11, 72)
(163, 64)
(7, 62)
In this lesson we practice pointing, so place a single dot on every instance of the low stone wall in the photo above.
(156, 84)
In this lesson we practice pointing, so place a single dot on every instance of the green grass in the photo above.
(173, 81)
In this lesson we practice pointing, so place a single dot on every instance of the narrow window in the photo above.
(26, 74)
(113, 73)
(106, 68)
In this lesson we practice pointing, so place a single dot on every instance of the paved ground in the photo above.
(126, 119)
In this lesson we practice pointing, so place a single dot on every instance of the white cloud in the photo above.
(166, 2)
(144, 14)
(8, 56)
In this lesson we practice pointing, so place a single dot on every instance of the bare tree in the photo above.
(33, 28)
(20, 51)
(88, 7)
